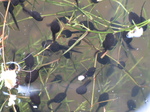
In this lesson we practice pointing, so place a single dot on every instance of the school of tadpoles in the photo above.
(53, 46)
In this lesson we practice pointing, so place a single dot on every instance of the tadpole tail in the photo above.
(49, 102)
(77, 2)
(72, 81)
(97, 110)
(27, 11)
(54, 36)
(14, 19)
(142, 9)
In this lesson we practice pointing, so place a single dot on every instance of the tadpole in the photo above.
(90, 72)
(90, 25)
(73, 40)
(11, 8)
(55, 28)
(16, 107)
(68, 33)
(60, 96)
(35, 98)
(29, 61)
(134, 18)
(121, 64)
(32, 75)
(102, 101)
(57, 78)
(36, 15)
(83, 88)
(57, 99)
(64, 19)
(103, 60)
(55, 46)
(109, 42)
(131, 105)
(135, 90)
(15, 2)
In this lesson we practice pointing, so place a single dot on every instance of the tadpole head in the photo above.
(73, 40)
(67, 33)
(103, 97)
(103, 60)
(31, 76)
(57, 78)
(131, 105)
(81, 90)
(134, 18)
(29, 60)
(67, 55)
(55, 28)
(121, 64)
(109, 41)
(90, 72)
(35, 98)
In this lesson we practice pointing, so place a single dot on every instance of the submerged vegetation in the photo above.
(70, 56)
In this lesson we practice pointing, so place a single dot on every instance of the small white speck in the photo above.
(34, 106)
(81, 77)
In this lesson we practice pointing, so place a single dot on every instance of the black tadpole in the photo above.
(135, 90)
(90, 25)
(35, 98)
(83, 88)
(102, 101)
(134, 18)
(33, 75)
(57, 78)
(61, 96)
(29, 61)
(90, 72)
(55, 46)
(109, 42)
(11, 8)
(73, 40)
(68, 33)
(36, 15)
(103, 60)
(131, 105)
(121, 64)
(57, 99)
(55, 28)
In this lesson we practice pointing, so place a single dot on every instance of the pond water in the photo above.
(102, 46)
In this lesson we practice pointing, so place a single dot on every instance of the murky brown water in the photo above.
(32, 31)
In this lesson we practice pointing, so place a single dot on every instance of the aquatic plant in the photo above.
(74, 72)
